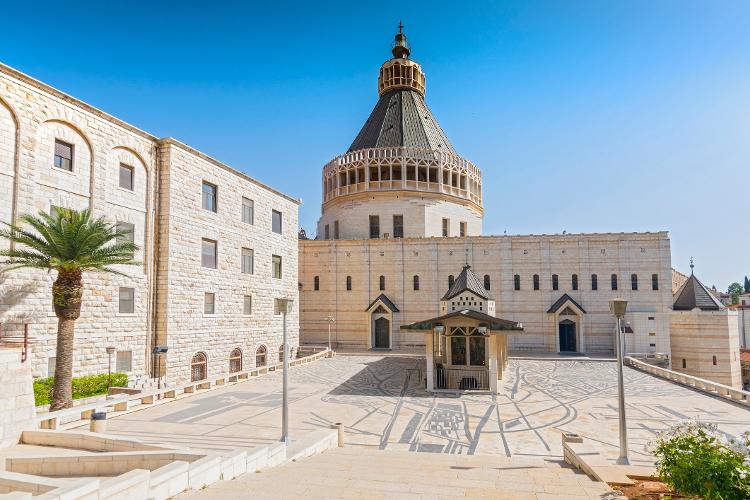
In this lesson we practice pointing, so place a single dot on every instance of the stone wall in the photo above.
(705, 344)
(17, 411)
(501, 258)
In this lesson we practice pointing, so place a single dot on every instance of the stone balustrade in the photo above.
(703, 385)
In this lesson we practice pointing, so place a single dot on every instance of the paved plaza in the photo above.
(382, 403)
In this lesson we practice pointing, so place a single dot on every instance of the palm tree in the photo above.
(69, 242)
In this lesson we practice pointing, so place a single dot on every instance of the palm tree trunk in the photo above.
(67, 291)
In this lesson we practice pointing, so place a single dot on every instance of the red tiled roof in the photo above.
(745, 355)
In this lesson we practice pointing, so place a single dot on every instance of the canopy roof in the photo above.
(492, 323)
(467, 281)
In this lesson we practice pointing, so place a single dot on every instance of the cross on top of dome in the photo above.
(400, 45)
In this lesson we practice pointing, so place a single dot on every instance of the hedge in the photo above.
(83, 387)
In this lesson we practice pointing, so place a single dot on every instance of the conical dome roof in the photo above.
(694, 294)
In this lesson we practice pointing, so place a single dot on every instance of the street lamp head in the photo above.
(110, 349)
(618, 307)
(285, 304)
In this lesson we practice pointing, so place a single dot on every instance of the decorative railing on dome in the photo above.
(416, 169)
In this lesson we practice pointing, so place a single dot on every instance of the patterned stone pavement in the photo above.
(382, 403)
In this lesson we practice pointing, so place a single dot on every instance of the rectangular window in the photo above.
(634, 281)
(458, 350)
(398, 226)
(127, 300)
(335, 230)
(555, 283)
(574, 282)
(477, 355)
(684, 363)
(614, 282)
(248, 211)
(348, 283)
(209, 303)
(276, 264)
(248, 261)
(126, 176)
(124, 361)
(462, 229)
(654, 282)
(594, 282)
(374, 226)
(536, 282)
(445, 228)
(327, 232)
(208, 253)
(714, 360)
(128, 233)
(63, 155)
(247, 305)
(209, 196)
(516, 282)
(276, 221)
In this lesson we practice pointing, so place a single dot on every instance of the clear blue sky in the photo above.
(584, 116)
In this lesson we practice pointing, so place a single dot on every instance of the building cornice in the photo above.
(403, 194)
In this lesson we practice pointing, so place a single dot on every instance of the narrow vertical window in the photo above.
(335, 230)
(486, 281)
(63, 155)
(209, 196)
(208, 253)
(574, 282)
(126, 176)
(127, 300)
(462, 229)
(276, 221)
(654, 282)
(247, 305)
(235, 360)
(382, 282)
(260, 356)
(516, 282)
(714, 360)
(536, 282)
(248, 261)
(374, 226)
(614, 282)
(416, 282)
(446, 228)
(684, 363)
(327, 232)
(209, 303)
(316, 283)
(348, 283)
(276, 264)
(555, 282)
(398, 226)
(634, 281)
(248, 211)
(594, 282)
(450, 281)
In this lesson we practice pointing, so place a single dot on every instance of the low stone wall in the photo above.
(16, 396)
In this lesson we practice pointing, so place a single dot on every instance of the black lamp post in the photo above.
(157, 351)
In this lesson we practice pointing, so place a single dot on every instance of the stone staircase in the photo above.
(358, 472)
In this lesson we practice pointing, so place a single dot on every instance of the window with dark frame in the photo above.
(555, 282)
(594, 282)
(327, 232)
(574, 282)
(260, 356)
(714, 360)
(684, 363)
(462, 229)
(536, 282)
(235, 360)
(209, 303)
(63, 155)
(416, 282)
(486, 281)
(208, 253)
(276, 264)
(516, 282)
(381, 282)
(398, 226)
(450, 281)
(335, 230)
(654, 282)
(446, 227)
(614, 282)
(316, 283)
(276, 221)
(348, 283)
(374, 226)
(209, 197)
(634, 281)
(127, 174)
(127, 300)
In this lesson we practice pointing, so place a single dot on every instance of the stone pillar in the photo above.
(494, 373)
(430, 366)
(17, 410)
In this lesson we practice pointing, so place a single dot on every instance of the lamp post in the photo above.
(110, 352)
(157, 351)
(331, 319)
(618, 308)
(284, 305)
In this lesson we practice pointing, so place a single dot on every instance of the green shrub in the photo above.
(694, 459)
(83, 387)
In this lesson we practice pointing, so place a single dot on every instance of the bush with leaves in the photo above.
(83, 387)
(693, 458)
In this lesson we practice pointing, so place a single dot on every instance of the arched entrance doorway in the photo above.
(381, 333)
(567, 332)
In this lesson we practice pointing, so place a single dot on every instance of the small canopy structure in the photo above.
(484, 320)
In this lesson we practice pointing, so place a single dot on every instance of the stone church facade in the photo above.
(217, 247)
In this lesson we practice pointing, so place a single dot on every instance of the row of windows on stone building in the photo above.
(199, 361)
(63, 159)
(517, 282)
(210, 202)
(209, 258)
(398, 228)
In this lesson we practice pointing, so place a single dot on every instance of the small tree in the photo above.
(70, 243)
(747, 285)
(735, 289)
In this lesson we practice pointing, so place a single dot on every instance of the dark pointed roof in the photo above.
(467, 280)
(386, 302)
(402, 119)
(492, 323)
(694, 294)
(562, 300)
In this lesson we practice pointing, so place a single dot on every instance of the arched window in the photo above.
(416, 282)
(594, 282)
(198, 367)
(555, 283)
(450, 280)
(281, 353)
(536, 282)
(260, 356)
(382, 283)
(654, 282)
(614, 282)
(316, 283)
(574, 282)
(516, 282)
(235, 360)
(634, 281)
(486, 281)
(348, 283)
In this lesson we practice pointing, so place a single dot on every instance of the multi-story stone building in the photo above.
(217, 247)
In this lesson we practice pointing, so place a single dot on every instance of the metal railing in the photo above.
(463, 379)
